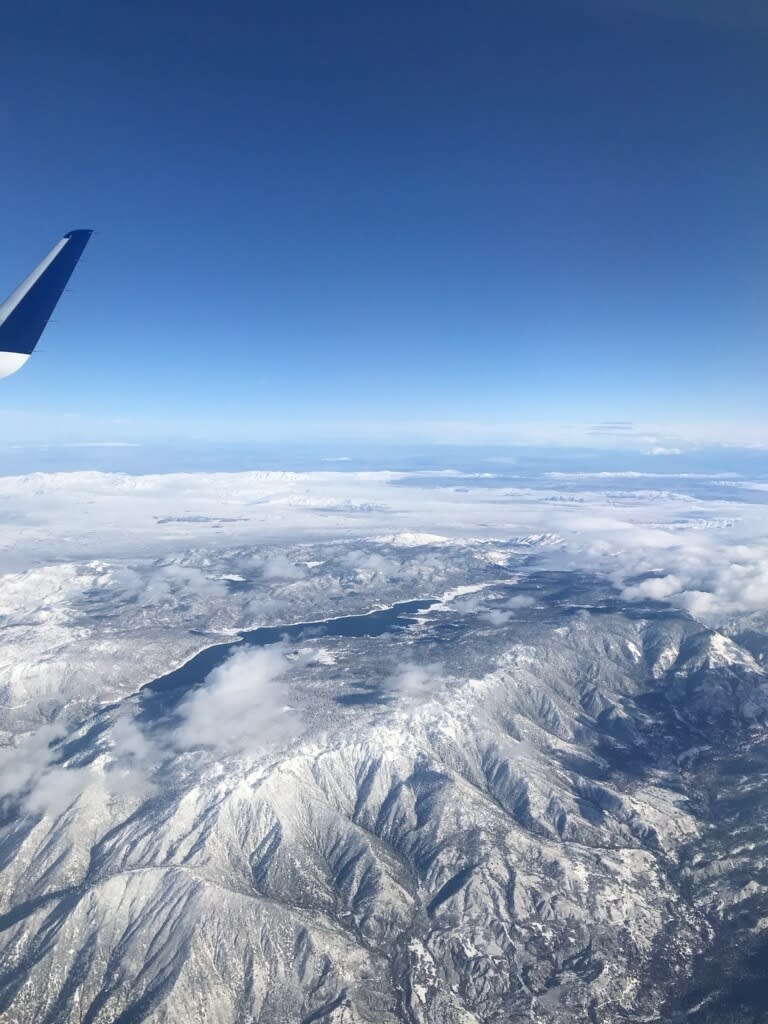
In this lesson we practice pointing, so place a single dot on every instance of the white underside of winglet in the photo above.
(10, 362)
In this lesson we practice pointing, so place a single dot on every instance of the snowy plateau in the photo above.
(380, 747)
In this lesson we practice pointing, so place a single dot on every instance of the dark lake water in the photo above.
(159, 699)
(161, 696)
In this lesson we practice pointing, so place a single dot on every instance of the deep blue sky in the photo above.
(333, 218)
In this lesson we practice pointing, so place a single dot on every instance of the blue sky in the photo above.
(405, 219)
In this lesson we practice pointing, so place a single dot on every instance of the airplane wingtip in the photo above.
(25, 313)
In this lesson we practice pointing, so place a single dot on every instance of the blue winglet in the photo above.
(28, 309)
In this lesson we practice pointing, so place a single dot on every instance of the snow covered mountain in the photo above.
(384, 777)
(505, 833)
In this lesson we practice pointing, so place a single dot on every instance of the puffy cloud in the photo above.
(504, 611)
(371, 562)
(32, 774)
(133, 758)
(279, 567)
(167, 581)
(469, 604)
(411, 679)
(497, 616)
(21, 766)
(716, 575)
(658, 588)
(491, 607)
(242, 707)
(699, 603)
(57, 789)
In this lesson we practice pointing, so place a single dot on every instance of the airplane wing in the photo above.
(27, 310)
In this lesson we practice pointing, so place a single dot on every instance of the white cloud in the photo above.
(371, 562)
(658, 588)
(280, 567)
(133, 759)
(490, 607)
(242, 708)
(30, 773)
(23, 765)
(719, 576)
(411, 679)
(168, 580)
(57, 789)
